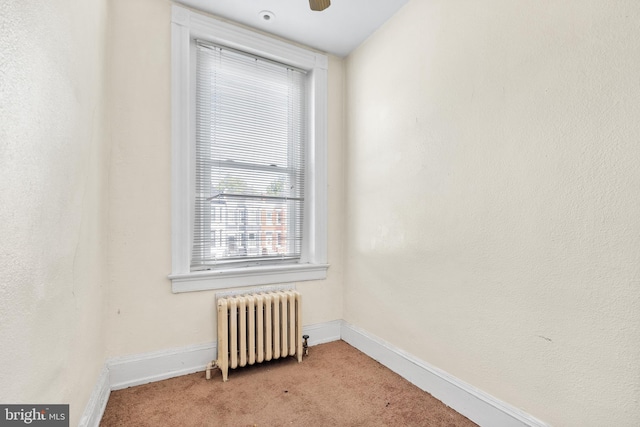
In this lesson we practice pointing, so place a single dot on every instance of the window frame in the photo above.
(186, 26)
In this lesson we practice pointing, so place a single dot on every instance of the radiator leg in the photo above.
(225, 374)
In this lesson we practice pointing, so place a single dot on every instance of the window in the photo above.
(248, 157)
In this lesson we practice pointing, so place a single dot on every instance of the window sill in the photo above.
(248, 276)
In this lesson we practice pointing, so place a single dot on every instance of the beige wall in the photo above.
(493, 204)
(490, 183)
(53, 210)
(143, 314)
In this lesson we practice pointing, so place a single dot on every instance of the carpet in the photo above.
(336, 385)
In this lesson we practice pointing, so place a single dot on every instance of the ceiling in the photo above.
(337, 30)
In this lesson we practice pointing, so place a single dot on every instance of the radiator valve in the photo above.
(211, 365)
(305, 345)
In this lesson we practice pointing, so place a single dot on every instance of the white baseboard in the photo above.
(478, 406)
(321, 333)
(129, 371)
(97, 401)
(474, 404)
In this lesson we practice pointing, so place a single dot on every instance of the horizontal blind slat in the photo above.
(250, 138)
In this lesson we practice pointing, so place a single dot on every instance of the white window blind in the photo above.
(250, 141)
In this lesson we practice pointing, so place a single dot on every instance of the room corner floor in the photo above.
(336, 385)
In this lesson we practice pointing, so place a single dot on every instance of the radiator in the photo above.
(257, 328)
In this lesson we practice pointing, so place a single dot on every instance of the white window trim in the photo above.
(186, 26)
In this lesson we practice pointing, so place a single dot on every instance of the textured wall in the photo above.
(143, 314)
(52, 200)
(493, 204)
